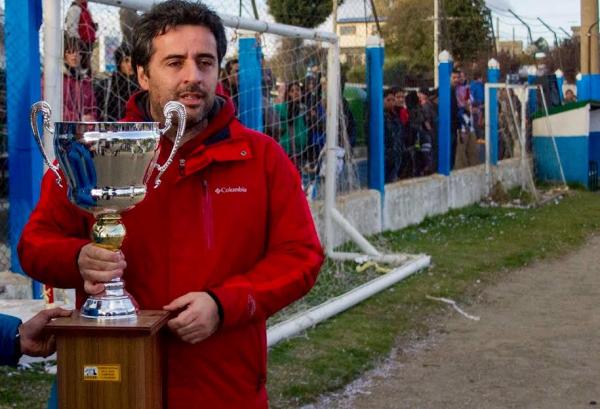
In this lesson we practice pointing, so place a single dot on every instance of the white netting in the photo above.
(294, 79)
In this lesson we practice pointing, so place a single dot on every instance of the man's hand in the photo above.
(198, 319)
(98, 266)
(33, 340)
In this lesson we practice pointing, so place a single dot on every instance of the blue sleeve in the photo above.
(8, 330)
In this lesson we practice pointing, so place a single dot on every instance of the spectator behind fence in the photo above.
(454, 118)
(29, 338)
(79, 103)
(292, 116)
(431, 123)
(224, 243)
(393, 137)
(315, 116)
(230, 81)
(476, 89)
(79, 24)
(113, 93)
(419, 136)
(570, 96)
(401, 106)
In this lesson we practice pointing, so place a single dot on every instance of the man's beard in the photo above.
(191, 120)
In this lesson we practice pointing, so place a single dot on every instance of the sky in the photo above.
(556, 13)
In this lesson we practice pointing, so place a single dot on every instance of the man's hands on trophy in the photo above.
(98, 265)
(198, 317)
(33, 340)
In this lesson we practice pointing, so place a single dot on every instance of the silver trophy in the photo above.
(107, 165)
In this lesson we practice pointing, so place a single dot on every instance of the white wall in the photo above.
(408, 202)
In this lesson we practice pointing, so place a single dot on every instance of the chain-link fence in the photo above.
(4, 224)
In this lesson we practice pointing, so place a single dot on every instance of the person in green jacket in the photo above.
(292, 116)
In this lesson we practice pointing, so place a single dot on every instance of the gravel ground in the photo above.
(536, 345)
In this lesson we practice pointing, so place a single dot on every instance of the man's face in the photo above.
(454, 79)
(389, 102)
(183, 68)
(399, 97)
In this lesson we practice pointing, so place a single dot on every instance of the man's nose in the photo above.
(192, 72)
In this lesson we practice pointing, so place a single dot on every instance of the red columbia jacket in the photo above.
(230, 217)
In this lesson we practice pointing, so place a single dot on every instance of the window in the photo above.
(347, 30)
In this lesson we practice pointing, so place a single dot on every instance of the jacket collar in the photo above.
(215, 143)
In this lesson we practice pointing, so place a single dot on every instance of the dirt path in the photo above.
(537, 345)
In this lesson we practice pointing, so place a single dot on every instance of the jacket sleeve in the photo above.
(293, 255)
(53, 237)
(9, 326)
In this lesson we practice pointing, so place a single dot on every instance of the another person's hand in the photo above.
(98, 266)
(33, 340)
(199, 317)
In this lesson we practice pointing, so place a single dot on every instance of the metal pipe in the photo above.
(354, 234)
(551, 135)
(333, 101)
(239, 23)
(312, 317)
(53, 58)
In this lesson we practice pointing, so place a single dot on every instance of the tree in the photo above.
(464, 31)
(303, 13)
(468, 29)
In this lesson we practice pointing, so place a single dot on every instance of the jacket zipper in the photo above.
(182, 167)
(207, 215)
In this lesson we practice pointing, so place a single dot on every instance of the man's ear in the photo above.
(142, 78)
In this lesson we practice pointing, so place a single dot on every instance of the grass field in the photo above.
(470, 248)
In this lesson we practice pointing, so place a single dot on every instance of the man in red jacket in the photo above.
(225, 241)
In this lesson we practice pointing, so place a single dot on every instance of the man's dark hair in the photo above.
(229, 65)
(390, 91)
(172, 13)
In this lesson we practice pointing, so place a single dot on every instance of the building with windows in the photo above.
(355, 23)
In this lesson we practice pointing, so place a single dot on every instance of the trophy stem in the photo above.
(114, 303)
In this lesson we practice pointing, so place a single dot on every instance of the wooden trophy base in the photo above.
(108, 364)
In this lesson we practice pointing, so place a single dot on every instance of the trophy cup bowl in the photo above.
(107, 165)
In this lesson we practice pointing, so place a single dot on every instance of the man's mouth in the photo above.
(191, 98)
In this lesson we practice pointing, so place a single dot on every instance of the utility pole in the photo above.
(589, 37)
(497, 35)
(512, 44)
(436, 45)
(335, 5)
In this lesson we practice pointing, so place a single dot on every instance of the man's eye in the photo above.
(206, 63)
(175, 63)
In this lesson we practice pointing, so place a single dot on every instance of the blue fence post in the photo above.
(444, 114)
(493, 77)
(23, 88)
(560, 81)
(250, 83)
(375, 57)
(532, 80)
(583, 87)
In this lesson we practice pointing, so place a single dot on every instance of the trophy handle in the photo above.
(44, 108)
(170, 108)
